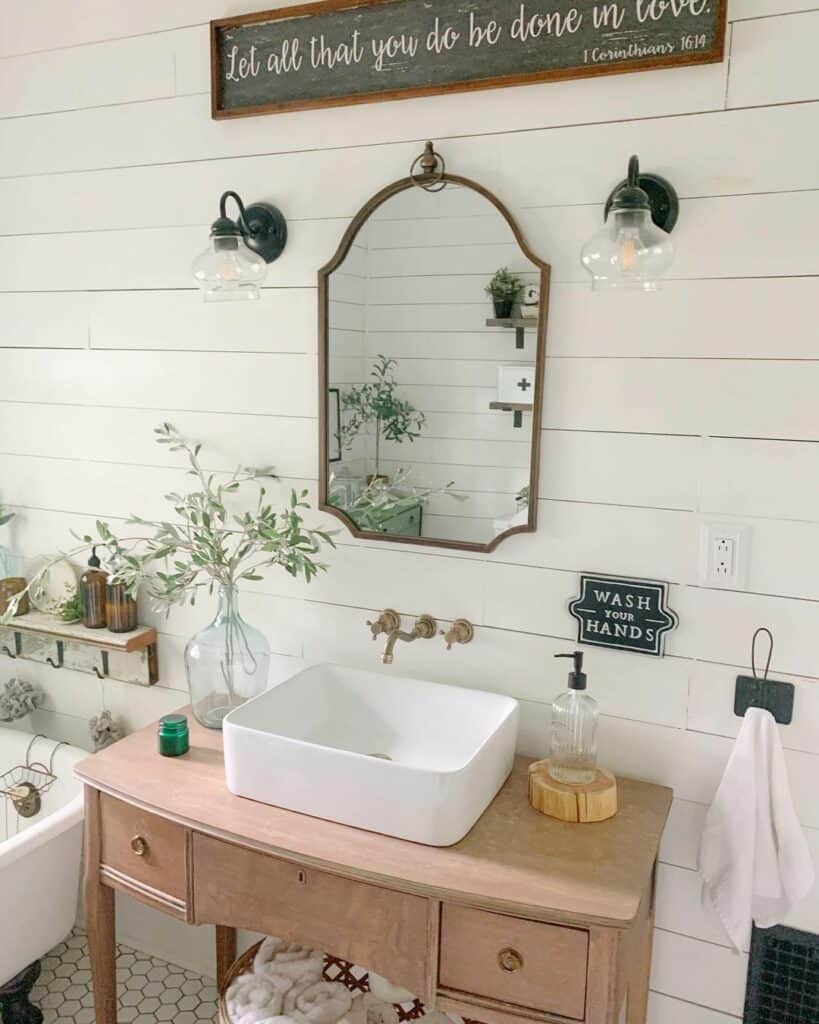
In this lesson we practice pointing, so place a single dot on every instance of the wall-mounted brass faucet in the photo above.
(460, 632)
(389, 622)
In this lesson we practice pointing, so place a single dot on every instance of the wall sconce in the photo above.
(234, 264)
(634, 248)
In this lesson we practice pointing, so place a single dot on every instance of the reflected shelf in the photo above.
(518, 408)
(517, 323)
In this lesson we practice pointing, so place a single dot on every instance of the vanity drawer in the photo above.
(145, 849)
(525, 964)
(380, 929)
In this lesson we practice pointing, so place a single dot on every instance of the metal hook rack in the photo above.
(770, 694)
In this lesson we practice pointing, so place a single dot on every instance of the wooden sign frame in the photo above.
(712, 54)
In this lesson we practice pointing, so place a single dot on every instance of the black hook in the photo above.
(6, 650)
(60, 654)
(770, 694)
(104, 673)
(762, 629)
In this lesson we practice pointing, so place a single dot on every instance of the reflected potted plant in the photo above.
(505, 288)
(210, 544)
(394, 418)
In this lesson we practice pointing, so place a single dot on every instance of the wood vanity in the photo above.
(527, 918)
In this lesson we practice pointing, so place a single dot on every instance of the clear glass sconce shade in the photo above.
(630, 251)
(228, 270)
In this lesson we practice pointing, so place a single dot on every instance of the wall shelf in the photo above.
(518, 324)
(518, 408)
(130, 657)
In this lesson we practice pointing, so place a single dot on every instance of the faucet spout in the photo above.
(424, 629)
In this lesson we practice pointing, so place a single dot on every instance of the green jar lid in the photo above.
(173, 725)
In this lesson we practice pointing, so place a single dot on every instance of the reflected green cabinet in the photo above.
(405, 524)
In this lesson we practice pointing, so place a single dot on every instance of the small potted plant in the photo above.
(505, 288)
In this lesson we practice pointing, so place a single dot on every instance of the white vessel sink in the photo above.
(408, 758)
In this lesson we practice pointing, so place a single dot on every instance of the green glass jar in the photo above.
(173, 735)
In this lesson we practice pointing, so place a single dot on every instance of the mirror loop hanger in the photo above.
(433, 169)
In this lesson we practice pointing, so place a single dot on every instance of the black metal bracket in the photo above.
(103, 674)
(262, 226)
(60, 656)
(769, 694)
(18, 646)
(662, 196)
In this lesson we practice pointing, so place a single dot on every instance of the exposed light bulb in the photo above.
(228, 270)
(631, 250)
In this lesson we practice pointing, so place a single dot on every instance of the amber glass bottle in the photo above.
(120, 609)
(92, 593)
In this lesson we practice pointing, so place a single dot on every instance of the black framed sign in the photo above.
(627, 614)
(358, 51)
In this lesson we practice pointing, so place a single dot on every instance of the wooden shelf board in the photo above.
(511, 406)
(513, 322)
(48, 625)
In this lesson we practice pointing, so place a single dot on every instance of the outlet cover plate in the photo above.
(738, 536)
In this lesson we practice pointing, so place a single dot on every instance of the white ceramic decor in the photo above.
(407, 758)
(516, 383)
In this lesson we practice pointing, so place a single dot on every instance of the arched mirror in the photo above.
(432, 319)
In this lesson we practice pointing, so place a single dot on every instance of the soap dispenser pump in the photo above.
(573, 759)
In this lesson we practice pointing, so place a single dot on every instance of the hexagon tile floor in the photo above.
(150, 990)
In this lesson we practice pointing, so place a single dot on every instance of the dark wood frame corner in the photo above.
(323, 360)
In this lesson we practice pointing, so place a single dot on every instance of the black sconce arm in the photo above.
(261, 225)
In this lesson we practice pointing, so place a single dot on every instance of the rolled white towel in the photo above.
(318, 1002)
(252, 998)
(288, 960)
(385, 992)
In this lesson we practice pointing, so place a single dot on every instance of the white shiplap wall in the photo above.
(661, 412)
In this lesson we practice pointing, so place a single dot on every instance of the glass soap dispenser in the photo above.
(573, 759)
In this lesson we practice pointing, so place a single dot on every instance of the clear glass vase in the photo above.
(227, 663)
(5, 562)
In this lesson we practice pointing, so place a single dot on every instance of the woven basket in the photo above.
(241, 965)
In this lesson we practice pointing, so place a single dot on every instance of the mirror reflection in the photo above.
(432, 337)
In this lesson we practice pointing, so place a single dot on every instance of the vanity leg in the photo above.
(100, 918)
(640, 976)
(225, 952)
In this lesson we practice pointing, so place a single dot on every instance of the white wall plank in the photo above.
(44, 320)
(259, 383)
(773, 60)
(129, 70)
(698, 972)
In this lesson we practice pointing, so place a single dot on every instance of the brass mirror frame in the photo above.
(347, 240)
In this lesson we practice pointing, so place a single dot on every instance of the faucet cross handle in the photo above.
(460, 632)
(386, 622)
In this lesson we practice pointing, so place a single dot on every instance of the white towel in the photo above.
(754, 860)
(288, 960)
(318, 1002)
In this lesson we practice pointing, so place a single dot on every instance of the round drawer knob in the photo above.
(510, 960)
(139, 846)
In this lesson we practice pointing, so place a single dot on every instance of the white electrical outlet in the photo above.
(723, 554)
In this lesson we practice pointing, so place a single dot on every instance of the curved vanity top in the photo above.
(514, 860)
